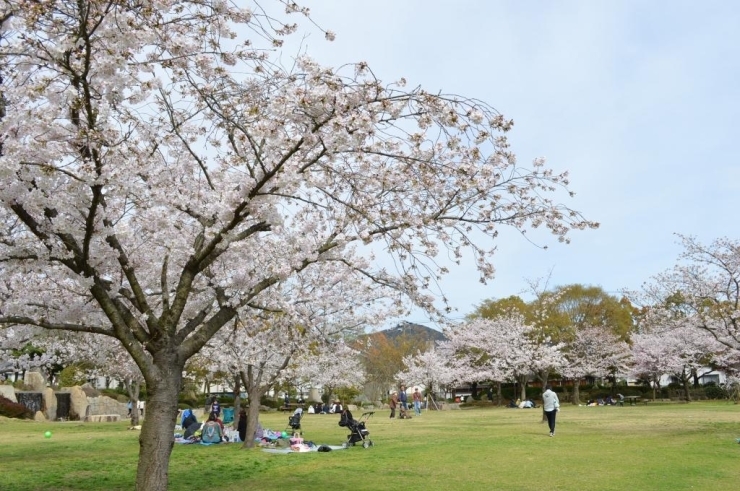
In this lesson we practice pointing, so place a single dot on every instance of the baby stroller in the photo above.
(358, 431)
(294, 421)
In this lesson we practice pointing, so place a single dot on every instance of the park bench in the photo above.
(632, 400)
(291, 407)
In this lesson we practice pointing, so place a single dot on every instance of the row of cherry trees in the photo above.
(689, 320)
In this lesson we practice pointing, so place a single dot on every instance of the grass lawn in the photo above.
(661, 446)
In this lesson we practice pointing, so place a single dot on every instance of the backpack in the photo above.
(210, 433)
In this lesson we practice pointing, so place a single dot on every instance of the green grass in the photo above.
(657, 447)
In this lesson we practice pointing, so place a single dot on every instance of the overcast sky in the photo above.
(637, 99)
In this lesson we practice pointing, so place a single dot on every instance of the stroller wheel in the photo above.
(371, 443)
(345, 445)
(365, 444)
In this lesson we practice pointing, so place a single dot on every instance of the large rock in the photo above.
(35, 381)
(8, 391)
(49, 404)
(106, 405)
(39, 416)
(314, 396)
(103, 418)
(77, 404)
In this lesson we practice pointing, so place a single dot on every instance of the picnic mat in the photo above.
(288, 450)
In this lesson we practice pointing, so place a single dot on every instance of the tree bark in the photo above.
(253, 415)
(132, 389)
(576, 398)
(522, 379)
(157, 433)
(686, 386)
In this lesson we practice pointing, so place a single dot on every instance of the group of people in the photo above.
(318, 408)
(606, 401)
(139, 406)
(212, 431)
(522, 404)
(399, 400)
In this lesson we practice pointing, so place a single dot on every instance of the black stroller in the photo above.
(294, 421)
(358, 431)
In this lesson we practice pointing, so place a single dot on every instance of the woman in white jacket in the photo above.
(551, 405)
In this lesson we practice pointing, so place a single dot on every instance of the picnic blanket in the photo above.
(312, 449)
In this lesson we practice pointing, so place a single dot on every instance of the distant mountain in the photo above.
(409, 329)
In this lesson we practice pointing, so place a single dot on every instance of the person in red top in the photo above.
(416, 397)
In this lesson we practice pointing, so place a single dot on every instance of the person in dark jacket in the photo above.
(242, 425)
(188, 418)
(216, 407)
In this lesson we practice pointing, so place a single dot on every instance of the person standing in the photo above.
(241, 426)
(551, 406)
(140, 405)
(392, 403)
(416, 396)
(215, 407)
(402, 398)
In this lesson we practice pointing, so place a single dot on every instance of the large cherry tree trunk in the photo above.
(253, 415)
(522, 379)
(157, 433)
(576, 399)
(132, 389)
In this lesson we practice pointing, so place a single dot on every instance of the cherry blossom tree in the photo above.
(432, 369)
(163, 173)
(596, 351)
(705, 284)
(508, 348)
(673, 346)
(303, 339)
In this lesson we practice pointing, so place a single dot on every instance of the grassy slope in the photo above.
(658, 447)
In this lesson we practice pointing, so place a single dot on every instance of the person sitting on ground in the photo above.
(212, 431)
(326, 409)
(311, 410)
(336, 408)
(189, 423)
(188, 418)
(512, 403)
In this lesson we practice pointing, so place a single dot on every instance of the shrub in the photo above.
(71, 376)
(712, 391)
(11, 409)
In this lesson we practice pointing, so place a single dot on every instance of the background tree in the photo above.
(597, 352)
(704, 284)
(431, 369)
(158, 183)
(576, 306)
(382, 358)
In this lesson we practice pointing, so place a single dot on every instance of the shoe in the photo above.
(552, 433)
